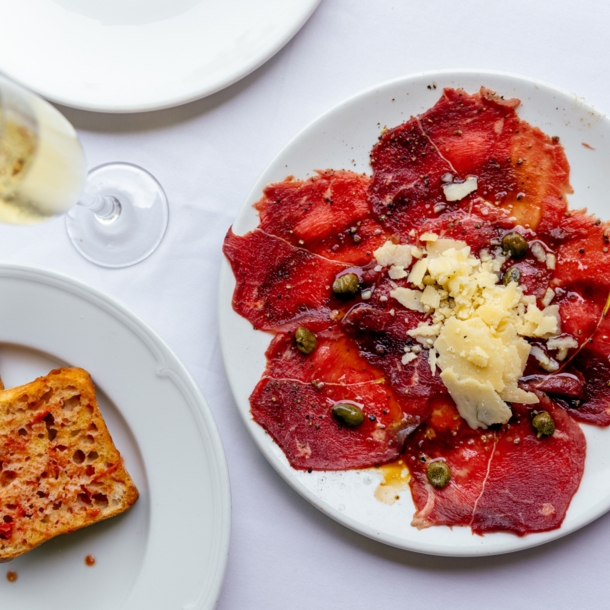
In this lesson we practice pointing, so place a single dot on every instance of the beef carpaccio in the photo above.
(449, 310)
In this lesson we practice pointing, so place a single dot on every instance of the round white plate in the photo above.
(169, 550)
(136, 55)
(343, 138)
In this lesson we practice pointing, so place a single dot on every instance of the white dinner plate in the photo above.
(136, 55)
(170, 550)
(343, 138)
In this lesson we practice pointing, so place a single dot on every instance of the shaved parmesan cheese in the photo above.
(477, 402)
(393, 254)
(424, 330)
(429, 237)
(418, 271)
(411, 299)
(477, 326)
(431, 297)
(478, 356)
(440, 245)
(397, 273)
(538, 252)
(536, 323)
(551, 261)
(564, 342)
(553, 311)
(408, 358)
(516, 394)
(548, 364)
(549, 295)
(455, 191)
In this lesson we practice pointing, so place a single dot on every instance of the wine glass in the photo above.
(117, 214)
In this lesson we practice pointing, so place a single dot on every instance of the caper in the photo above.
(515, 244)
(347, 414)
(438, 474)
(346, 286)
(305, 340)
(543, 424)
(511, 275)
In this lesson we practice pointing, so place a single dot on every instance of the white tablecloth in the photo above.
(284, 553)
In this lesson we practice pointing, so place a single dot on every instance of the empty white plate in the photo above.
(136, 55)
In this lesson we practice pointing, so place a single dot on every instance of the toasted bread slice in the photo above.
(59, 469)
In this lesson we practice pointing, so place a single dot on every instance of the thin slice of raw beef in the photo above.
(294, 399)
(298, 417)
(592, 362)
(278, 284)
(446, 436)
(531, 483)
(327, 214)
(501, 480)
(336, 358)
(517, 166)
(406, 186)
(380, 327)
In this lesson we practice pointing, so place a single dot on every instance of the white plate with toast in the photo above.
(170, 549)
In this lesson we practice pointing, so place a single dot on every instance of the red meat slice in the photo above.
(406, 182)
(542, 176)
(328, 215)
(380, 331)
(581, 243)
(478, 224)
(446, 436)
(530, 485)
(517, 165)
(278, 284)
(580, 279)
(474, 133)
(580, 309)
(296, 395)
(506, 480)
(592, 362)
(336, 359)
(298, 417)
(582, 282)
(567, 385)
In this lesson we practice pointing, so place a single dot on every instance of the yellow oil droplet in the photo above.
(395, 479)
(607, 307)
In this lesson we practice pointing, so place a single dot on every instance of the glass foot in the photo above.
(121, 218)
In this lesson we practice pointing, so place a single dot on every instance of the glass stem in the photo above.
(105, 207)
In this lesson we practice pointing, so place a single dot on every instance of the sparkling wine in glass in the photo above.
(116, 215)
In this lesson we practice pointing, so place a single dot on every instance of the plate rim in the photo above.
(165, 102)
(201, 411)
(266, 448)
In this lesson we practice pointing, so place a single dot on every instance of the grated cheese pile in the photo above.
(476, 326)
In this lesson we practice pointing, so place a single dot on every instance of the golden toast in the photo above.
(59, 469)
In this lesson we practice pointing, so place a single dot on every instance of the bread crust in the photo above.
(59, 468)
